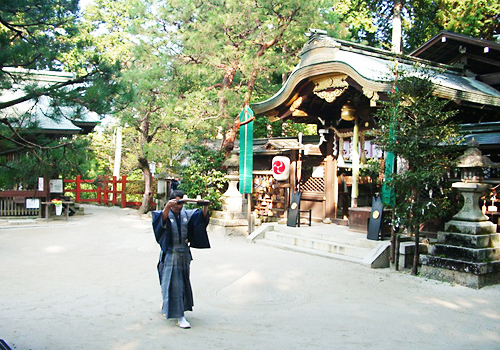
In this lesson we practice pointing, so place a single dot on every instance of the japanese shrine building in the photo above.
(339, 85)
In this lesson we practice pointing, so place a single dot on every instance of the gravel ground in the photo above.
(91, 283)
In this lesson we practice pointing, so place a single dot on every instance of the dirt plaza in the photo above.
(91, 283)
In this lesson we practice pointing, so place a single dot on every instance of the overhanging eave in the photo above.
(373, 72)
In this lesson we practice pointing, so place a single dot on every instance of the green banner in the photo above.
(246, 150)
(388, 195)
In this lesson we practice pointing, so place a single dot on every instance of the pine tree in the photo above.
(45, 35)
(418, 128)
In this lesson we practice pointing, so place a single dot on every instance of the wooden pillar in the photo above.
(335, 188)
(78, 187)
(355, 165)
(106, 189)
(293, 171)
(99, 190)
(124, 191)
(331, 184)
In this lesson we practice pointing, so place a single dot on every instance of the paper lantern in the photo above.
(281, 168)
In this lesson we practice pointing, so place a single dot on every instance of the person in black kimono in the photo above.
(176, 230)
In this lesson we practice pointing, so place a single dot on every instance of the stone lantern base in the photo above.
(468, 250)
(230, 221)
(228, 224)
(466, 253)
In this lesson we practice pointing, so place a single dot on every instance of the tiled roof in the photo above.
(40, 112)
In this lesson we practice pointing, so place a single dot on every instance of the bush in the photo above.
(203, 176)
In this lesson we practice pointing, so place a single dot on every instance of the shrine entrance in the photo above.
(338, 87)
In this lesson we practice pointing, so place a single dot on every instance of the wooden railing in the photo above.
(105, 191)
(13, 203)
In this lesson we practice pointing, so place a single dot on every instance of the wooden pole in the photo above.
(106, 189)
(249, 213)
(355, 165)
(115, 190)
(78, 187)
(124, 191)
(99, 190)
(335, 188)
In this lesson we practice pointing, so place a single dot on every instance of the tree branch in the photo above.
(52, 88)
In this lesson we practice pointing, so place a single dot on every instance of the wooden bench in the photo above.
(47, 205)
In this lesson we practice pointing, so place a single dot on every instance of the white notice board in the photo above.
(32, 203)
(56, 186)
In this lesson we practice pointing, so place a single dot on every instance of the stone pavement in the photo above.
(91, 283)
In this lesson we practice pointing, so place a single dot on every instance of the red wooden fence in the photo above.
(109, 191)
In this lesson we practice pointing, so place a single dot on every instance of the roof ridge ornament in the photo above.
(318, 38)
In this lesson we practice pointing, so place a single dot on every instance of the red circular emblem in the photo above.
(278, 167)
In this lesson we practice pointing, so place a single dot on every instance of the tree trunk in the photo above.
(144, 165)
(416, 257)
(396, 27)
(148, 187)
(229, 138)
(231, 129)
(118, 152)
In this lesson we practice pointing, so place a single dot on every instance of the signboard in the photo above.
(281, 168)
(56, 185)
(375, 221)
(32, 203)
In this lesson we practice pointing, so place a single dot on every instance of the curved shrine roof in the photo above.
(373, 70)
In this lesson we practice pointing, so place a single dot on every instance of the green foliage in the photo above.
(221, 46)
(33, 33)
(203, 177)
(65, 159)
(417, 127)
(263, 128)
(478, 18)
(372, 170)
(370, 22)
(48, 35)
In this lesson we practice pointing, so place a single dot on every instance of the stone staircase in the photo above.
(327, 240)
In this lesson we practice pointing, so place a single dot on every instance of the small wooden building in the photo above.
(71, 121)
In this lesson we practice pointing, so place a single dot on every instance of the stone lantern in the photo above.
(230, 220)
(467, 252)
(471, 165)
(162, 190)
(232, 197)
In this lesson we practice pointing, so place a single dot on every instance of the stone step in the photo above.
(315, 243)
(475, 268)
(465, 253)
(310, 251)
(331, 241)
(341, 236)
(233, 222)
(26, 221)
